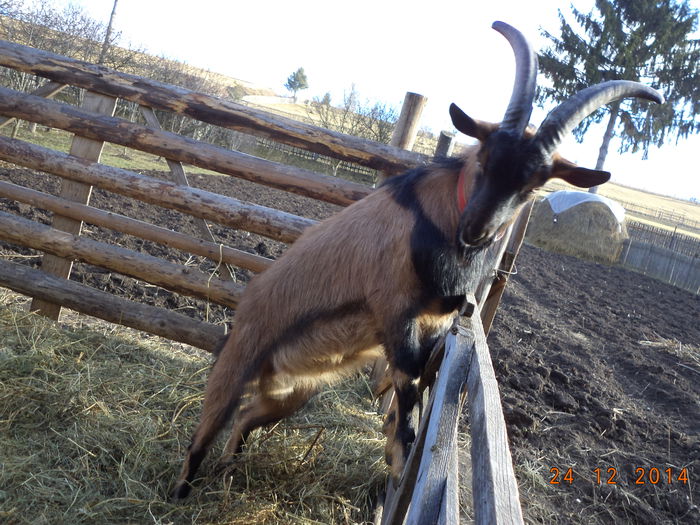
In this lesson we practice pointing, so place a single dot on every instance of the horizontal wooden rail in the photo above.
(206, 108)
(103, 305)
(48, 90)
(175, 277)
(227, 211)
(178, 148)
(143, 230)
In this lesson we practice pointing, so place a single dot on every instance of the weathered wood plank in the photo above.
(495, 490)
(449, 511)
(227, 211)
(441, 439)
(180, 149)
(129, 226)
(74, 191)
(47, 90)
(206, 108)
(84, 299)
(398, 500)
(145, 267)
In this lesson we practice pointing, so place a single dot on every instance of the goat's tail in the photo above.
(227, 382)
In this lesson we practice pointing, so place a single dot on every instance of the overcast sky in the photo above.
(442, 49)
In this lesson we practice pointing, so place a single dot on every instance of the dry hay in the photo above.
(94, 422)
(588, 231)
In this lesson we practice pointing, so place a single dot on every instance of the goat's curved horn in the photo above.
(565, 117)
(519, 109)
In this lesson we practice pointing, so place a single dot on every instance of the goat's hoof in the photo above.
(180, 492)
(225, 464)
(395, 476)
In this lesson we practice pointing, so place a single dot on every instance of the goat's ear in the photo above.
(576, 175)
(469, 126)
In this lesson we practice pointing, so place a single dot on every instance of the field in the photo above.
(598, 369)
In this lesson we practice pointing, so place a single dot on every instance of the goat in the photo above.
(389, 273)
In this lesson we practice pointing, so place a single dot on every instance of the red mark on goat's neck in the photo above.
(464, 188)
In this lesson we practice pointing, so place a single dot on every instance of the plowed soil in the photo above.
(599, 367)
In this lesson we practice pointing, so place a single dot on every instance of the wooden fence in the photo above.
(670, 218)
(664, 255)
(362, 171)
(93, 124)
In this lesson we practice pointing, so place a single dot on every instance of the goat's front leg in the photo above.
(407, 357)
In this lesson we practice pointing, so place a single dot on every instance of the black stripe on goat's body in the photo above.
(446, 271)
(305, 324)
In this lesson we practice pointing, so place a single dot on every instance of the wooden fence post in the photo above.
(406, 129)
(445, 145)
(74, 191)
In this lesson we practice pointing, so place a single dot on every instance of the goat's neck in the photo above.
(464, 187)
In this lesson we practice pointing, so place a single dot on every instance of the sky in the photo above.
(444, 50)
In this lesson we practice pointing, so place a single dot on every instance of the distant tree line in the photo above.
(71, 32)
(353, 116)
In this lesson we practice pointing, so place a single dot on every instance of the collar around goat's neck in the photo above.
(464, 187)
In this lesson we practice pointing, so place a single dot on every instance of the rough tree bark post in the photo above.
(445, 145)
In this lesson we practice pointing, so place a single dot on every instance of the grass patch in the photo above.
(112, 154)
(95, 420)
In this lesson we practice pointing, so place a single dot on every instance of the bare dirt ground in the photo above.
(599, 367)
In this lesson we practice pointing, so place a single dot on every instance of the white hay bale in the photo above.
(578, 223)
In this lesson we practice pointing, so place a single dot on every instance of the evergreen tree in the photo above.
(296, 82)
(643, 40)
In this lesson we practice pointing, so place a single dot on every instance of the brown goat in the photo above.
(388, 274)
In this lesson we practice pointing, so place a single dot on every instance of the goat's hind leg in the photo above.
(222, 396)
(264, 409)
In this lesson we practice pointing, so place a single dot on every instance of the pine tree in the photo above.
(296, 82)
(643, 40)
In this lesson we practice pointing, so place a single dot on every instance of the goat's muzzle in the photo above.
(472, 233)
